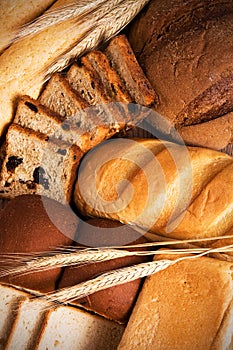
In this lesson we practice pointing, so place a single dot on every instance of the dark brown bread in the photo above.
(32, 223)
(114, 303)
(108, 76)
(186, 51)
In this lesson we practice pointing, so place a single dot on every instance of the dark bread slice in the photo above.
(123, 60)
(35, 165)
(108, 76)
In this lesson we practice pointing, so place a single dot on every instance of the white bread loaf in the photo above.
(16, 13)
(186, 306)
(27, 324)
(9, 300)
(71, 328)
(162, 187)
(23, 64)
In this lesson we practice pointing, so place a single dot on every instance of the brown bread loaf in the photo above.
(31, 224)
(117, 302)
(168, 189)
(185, 49)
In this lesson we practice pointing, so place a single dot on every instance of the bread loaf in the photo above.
(162, 187)
(70, 328)
(23, 64)
(185, 49)
(114, 303)
(16, 13)
(186, 306)
(31, 224)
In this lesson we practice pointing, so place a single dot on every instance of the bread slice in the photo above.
(59, 97)
(27, 324)
(108, 76)
(71, 328)
(9, 300)
(186, 306)
(85, 81)
(34, 164)
(123, 60)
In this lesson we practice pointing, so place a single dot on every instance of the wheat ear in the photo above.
(105, 27)
(117, 277)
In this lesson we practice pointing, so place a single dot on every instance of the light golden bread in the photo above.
(186, 306)
(165, 188)
(16, 13)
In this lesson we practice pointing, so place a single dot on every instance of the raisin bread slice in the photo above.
(93, 124)
(123, 60)
(34, 164)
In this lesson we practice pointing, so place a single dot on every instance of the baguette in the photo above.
(16, 13)
(162, 187)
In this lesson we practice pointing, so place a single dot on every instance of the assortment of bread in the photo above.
(77, 173)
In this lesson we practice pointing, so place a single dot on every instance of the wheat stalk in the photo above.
(117, 277)
(22, 264)
(80, 10)
(107, 280)
(103, 28)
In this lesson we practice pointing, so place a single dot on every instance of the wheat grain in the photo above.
(107, 280)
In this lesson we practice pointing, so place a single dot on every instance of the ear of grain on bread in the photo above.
(16, 13)
(187, 306)
(172, 190)
(23, 65)
(33, 164)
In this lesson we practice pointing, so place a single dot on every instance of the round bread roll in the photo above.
(30, 224)
(117, 302)
(186, 51)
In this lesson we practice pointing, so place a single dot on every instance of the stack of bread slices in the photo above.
(35, 324)
(75, 111)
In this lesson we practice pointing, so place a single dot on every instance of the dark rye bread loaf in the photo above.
(186, 51)
(30, 224)
(115, 303)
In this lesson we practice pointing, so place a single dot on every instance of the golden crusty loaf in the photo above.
(168, 189)
(185, 48)
(16, 13)
(186, 306)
